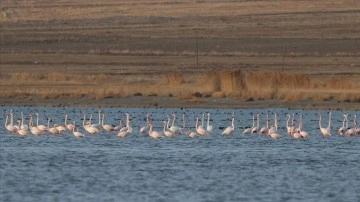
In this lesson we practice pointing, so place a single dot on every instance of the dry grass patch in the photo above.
(184, 95)
(218, 94)
(174, 78)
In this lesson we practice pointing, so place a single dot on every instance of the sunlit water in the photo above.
(104, 167)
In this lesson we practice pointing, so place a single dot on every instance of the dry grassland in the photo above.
(287, 50)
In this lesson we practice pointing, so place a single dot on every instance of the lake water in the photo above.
(104, 167)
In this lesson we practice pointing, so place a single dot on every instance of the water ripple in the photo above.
(212, 168)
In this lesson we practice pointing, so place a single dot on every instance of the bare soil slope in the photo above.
(188, 51)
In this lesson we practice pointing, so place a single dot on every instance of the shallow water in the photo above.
(241, 167)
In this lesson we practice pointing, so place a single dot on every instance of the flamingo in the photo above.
(106, 127)
(97, 125)
(199, 129)
(274, 127)
(89, 128)
(21, 131)
(127, 127)
(174, 128)
(303, 133)
(343, 129)
(272, 132)
(296, 135)
(34, 130)
(352, 131)
(191, 134)
(124, 133)
(265, 130)
(248, 130)
(69, 126)
(168, 133)
(257, 127)
(23, 126)
(143, 129)
(357, 130)
(117, 128)
(209, 127)
(52, 130)
(325, 131)
(274, 135)
(40, 127)
(181, 130)
(76, 133)
(230, 129)
(60, 128)
(291, 128)
(152, 133)
(288, 128)
(10, 127)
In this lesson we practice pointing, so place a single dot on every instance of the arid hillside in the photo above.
(250, 50)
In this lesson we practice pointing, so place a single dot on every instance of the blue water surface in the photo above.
(104, 167)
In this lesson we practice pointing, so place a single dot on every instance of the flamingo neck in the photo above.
(168, 122)
(147, 118)
(173, 122)
(287, 122)
(196, 123)
(7, 117)
(11, 119)
(346, 121)
(355, 121)
(84, 120)
(65, 119)
(150, 129)
(37, 119)
(127, 119)
(164, 126)
(329, 125)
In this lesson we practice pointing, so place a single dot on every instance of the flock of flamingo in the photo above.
(169, 127)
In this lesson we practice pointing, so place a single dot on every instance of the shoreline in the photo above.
(173, 102)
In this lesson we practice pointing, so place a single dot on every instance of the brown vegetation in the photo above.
(247, 85)
(249, 50)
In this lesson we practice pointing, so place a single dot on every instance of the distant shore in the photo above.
(173, 102)
(184, 54)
